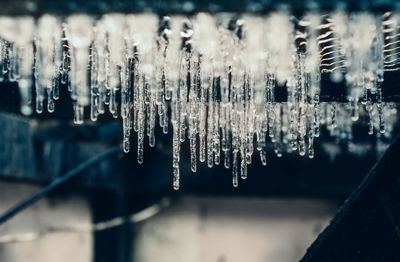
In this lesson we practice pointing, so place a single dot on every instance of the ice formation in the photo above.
(212, 78)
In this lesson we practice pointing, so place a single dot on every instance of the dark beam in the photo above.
(42, 151)
(97, 7)
(367, 227)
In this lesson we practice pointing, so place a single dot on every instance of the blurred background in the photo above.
(120, 211)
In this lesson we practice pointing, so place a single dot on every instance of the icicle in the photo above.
(141, 121)
(80, 35)
(213, 79)
(235, 172)
(369, 110)
(311, 135)
(193, 160)
(19, 33)
(175, 153)
(379, 105)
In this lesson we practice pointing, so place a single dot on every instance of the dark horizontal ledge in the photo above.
(98, 7)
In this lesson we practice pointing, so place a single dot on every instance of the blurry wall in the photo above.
(29, 235)
(232, 229)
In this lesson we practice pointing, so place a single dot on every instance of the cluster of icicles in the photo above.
(212, 78)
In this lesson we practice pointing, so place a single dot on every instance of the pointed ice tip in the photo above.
(26, 110)
(126, 149)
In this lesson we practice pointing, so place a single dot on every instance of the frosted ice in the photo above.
(211, 78)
